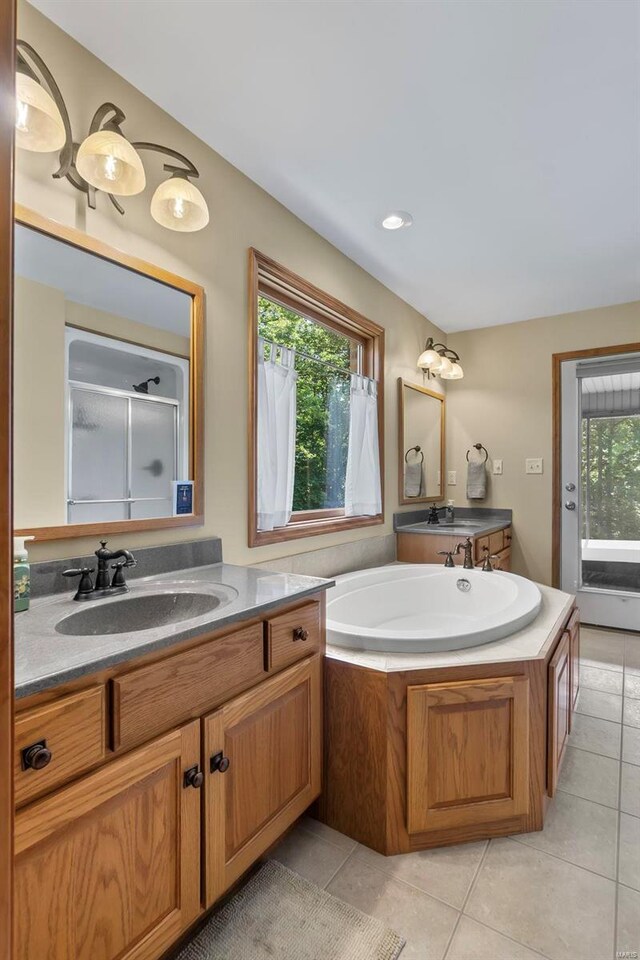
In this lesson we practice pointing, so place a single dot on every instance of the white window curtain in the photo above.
(362, 491)
(276, 435)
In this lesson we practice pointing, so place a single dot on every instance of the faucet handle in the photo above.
(86, 583)
(449, 555)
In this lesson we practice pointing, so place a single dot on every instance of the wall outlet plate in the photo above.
(452, 478)
(533, 465)
(497, 468)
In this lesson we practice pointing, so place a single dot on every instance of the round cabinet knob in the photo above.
(194, 777)
(219, 763)
(300, 634)
(36, 757)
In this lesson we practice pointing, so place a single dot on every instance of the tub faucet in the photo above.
(467, 547)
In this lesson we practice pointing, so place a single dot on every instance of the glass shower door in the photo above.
(153, 458)
(98, 482)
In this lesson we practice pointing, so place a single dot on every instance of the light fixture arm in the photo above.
(443, 350)
(189, 170)
(31, 63)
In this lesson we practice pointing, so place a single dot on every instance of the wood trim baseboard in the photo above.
(556, 360)
(7, 99)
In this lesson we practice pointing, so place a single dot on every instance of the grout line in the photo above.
(571, 863)
(336, 872)
(607, 806)
(466, 898)
(317, 836)
(617, 890)
(519, 943)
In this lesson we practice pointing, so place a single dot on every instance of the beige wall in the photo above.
(504, 402)
(143, 334)
(242, 215)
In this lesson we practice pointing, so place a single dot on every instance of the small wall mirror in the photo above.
(108, 388)
(421, 434)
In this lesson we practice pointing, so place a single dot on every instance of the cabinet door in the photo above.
(467, 752)
(574, 643)
(263, 769)
(109, 867)
(559, 707)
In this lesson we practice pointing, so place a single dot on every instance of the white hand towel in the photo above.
(476, 480)
(413, 479)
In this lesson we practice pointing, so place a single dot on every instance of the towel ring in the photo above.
(479, 447)
(416, 449)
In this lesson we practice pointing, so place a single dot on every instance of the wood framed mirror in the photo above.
(421, 459)
(108, 365)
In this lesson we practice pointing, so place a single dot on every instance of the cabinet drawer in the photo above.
(496, 541)
(292, 636)
(72, 729)
(152, 699)
(480, 544)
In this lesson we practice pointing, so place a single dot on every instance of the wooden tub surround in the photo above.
(422, 758)
(145, 791)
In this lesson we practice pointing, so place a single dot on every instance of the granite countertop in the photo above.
(468, 522)
(45, 658)
(530, 643)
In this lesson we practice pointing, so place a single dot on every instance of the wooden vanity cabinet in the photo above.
(563, 689)
(220, 740)
(262, 770)
(426, 548)
(110, 865)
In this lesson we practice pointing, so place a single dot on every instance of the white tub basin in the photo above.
(419, 608)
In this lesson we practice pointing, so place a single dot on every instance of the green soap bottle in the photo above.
(21, 575)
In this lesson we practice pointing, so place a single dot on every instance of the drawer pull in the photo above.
(219, 763)
(36, 756)
(193, 777)
(300, 634)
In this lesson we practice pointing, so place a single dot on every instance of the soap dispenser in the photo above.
(21, 575)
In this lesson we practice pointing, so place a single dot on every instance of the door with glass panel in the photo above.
(600, 496)
(123, 455)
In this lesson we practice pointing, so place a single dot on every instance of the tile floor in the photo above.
(570, 892)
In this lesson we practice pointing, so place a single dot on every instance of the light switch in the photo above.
(533, 465)
(497, 468)
(452, 478)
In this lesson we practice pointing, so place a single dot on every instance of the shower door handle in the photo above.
(570, 505)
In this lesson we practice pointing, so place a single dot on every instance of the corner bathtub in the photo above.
(421, 608)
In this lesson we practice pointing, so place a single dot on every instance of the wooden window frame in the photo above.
(270, 279)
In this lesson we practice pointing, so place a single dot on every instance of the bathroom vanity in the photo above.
(421, 542)
(425, 750)
(152, 769)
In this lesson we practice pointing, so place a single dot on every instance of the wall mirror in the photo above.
(421, 449)
(108, 354)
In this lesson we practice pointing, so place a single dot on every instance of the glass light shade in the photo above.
(39, 124)
(108, 162)
(444, 369)
(178, 205)
(456, 372)
(429, 360)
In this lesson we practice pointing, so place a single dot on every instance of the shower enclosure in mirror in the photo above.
(108, 391)
(421, 443)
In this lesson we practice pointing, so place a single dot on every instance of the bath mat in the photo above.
(279, 915)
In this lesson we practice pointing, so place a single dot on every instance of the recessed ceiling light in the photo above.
(397, 219)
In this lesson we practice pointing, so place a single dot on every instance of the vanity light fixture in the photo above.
(397, 219)
(440, 361)
(106, 160)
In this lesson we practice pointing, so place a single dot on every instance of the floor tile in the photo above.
(596, 679)
(425, 923)
(598, 736)
(632, 654)
(596, 703)
(446, 873)
(311, 825)
(309, 856)
(628, 939)
(590, 776)
(632, 685)
(631, 745)
(551, 906)
(474, 941)
(629, 868)
(579, 831)
(598, 648)
(631, 712)
(630, 789)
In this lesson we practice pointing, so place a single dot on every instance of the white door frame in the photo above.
(612, 608)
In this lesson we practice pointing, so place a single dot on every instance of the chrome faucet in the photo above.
(467, 546)
(104, 585)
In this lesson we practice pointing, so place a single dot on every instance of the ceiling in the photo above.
(509, 130)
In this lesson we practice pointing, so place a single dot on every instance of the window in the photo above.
(329, 344)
